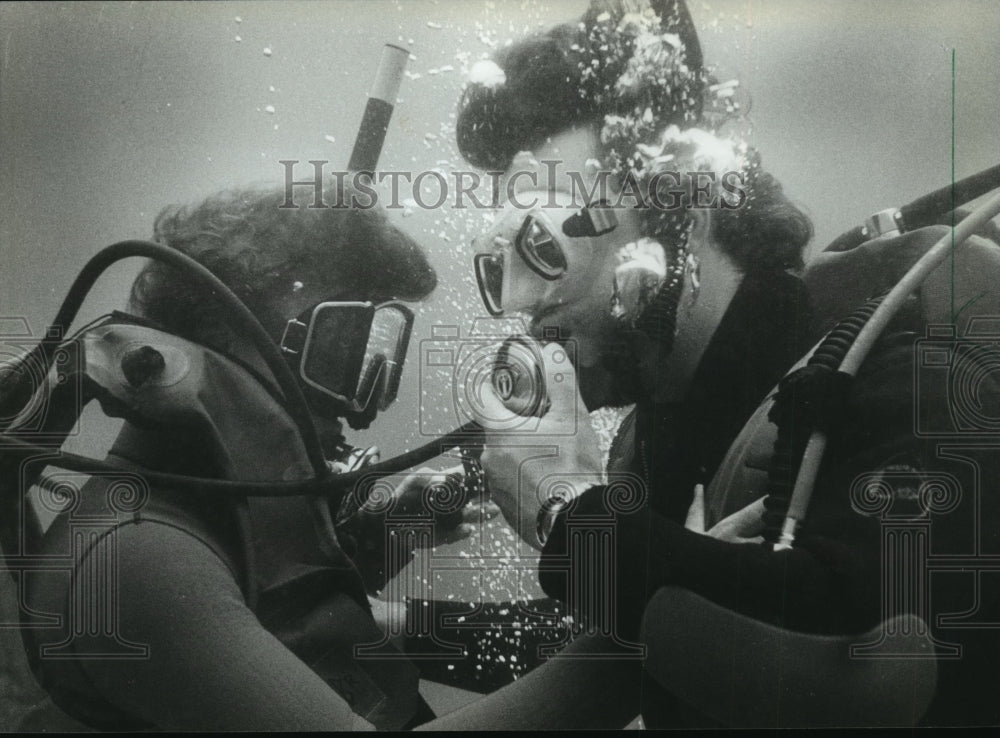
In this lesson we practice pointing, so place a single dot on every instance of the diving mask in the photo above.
(350, 351)
(540, 243)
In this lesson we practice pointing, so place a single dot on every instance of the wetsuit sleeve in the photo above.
(212, 666)
(821, 589)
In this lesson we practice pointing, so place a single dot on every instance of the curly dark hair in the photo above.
(629, 69)
(569, 76)
(768, 231)
(260, 249)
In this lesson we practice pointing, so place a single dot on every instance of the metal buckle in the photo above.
(293, 338)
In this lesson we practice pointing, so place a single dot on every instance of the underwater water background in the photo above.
(111, 111)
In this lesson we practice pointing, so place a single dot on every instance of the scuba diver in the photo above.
(177, 605)
(689, 311)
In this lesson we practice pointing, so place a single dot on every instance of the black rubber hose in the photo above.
(330, 485)
(930, 208)
(244, 320)
(789, 446)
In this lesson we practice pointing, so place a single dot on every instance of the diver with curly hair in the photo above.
(234, 614)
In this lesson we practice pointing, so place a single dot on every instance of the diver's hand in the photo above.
(527, 463)
(423, 510)
(390, 617)
(437, 495)
(743, 526)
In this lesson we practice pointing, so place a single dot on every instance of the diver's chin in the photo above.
(623, 362)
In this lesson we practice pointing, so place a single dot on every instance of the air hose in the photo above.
(242, 318)
(786, 453)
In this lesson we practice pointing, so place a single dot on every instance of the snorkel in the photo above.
(378, 110)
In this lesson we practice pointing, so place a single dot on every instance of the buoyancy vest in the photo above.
(195, 413)
(839, 283)
(760, 675)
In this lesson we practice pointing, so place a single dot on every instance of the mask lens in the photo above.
(489, 277)
(352, 351)
(332, 359)
(384, 355)
(540, 250)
